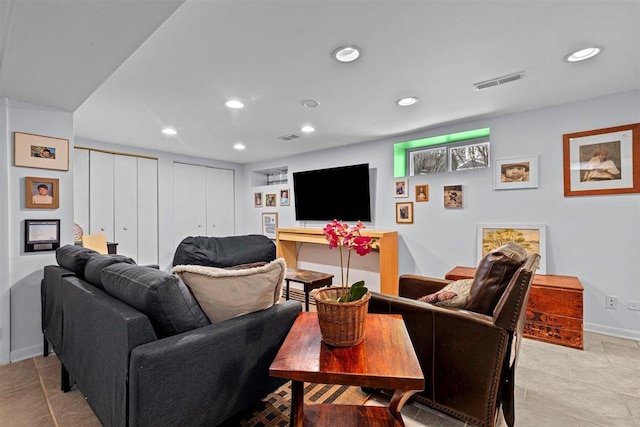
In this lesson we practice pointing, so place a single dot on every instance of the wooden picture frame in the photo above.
(453, 196)
(404, 212)
(401, 188)
(41, 193)
(422, 193)
(257, 200)
(285, 199)
(602, 161)
(270, 200)
(530, 236)
(269, 224)
(38, 151)
(515, 173)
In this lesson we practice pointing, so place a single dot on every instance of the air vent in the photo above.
(499, 81)
(289, 137)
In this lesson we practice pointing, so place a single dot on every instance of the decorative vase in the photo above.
(342, 324)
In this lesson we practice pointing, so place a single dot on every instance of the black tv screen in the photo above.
(340, 193)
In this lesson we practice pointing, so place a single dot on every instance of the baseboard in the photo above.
(616, 332)
(26, 353)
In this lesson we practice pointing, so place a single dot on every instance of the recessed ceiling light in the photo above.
(346, 53)
(169, 131)
(307, 129)
(310, 103)
(405, 102)
(583, 54)
(234, 104)
(239, 146)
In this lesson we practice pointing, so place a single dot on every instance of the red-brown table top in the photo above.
(385, 359)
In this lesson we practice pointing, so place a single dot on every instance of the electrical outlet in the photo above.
(611, 302)
(633, 305)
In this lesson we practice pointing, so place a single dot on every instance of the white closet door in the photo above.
(126, 205)
(147, 211)
(81, 188)
(101, 194)
(220, 202)
(189, 201)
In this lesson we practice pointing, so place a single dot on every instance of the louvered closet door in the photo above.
(125, 174)
(101, 189)
(220, 202)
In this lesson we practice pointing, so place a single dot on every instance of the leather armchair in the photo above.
(468, 358)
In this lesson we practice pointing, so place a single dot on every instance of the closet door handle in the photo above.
(125, 228)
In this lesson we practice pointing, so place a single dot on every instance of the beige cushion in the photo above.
(224, 294)
(455, 294)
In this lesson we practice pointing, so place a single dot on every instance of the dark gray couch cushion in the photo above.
(160, 295)
(74, 258)
(93, 268)
(224, 252)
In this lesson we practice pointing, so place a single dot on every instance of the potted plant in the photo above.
(342, 310)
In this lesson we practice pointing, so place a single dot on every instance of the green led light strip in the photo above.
(400, 149)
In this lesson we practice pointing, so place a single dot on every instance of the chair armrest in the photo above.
(209, 373)
(414, 287)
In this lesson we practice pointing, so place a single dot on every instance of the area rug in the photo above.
(275, 409)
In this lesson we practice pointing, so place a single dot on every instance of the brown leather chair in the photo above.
(468, 357)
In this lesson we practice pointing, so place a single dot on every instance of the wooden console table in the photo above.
(385, 242)
(555, 309)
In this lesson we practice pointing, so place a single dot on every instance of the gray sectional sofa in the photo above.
(142, 352)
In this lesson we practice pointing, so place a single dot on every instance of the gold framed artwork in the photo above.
(42, 193)
(269, 224)
(422, 193)
(37, 151)
(602, 161)
(404, 213)
(530, 236)
(270, 200)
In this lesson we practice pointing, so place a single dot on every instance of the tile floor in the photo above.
(555, 386)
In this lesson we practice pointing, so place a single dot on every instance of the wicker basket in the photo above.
(342, 324)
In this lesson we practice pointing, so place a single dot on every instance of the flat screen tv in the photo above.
(340, 193)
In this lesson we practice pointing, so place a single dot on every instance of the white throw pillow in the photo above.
(224, 294)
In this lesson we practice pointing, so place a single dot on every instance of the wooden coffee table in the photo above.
(385, 359)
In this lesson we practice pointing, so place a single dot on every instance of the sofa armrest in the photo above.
(210, 373)
(414, 287)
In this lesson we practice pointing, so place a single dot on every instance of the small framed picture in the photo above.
(269, 224)
(422, 193)
(453, 196)
(41, 235)
(402, 186)
(37, 151)
(257, 200)
(42, 193)
(284, 197)
(530, 236)
(516, 173)
(270, 200)
(404, 213)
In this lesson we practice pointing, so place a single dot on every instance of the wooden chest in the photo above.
(555, 309)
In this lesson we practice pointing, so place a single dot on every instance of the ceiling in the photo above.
(128, 69)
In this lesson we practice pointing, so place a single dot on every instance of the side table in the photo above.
(385, 359)
(310, 279)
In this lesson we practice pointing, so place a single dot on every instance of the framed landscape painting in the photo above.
(530, 236)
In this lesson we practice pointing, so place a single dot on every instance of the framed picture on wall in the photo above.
(404, 213)
(515, 173)
(257, 200)
(453, 196)
(402, 188)
(270, 200)
(284, 197)
(37, 151)
(41, 235)
(602, 161)
(530, 236)
(422, 193)
(42, 193)
(269, 224)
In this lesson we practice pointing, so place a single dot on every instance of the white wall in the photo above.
(20, 285)
(593, 237)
